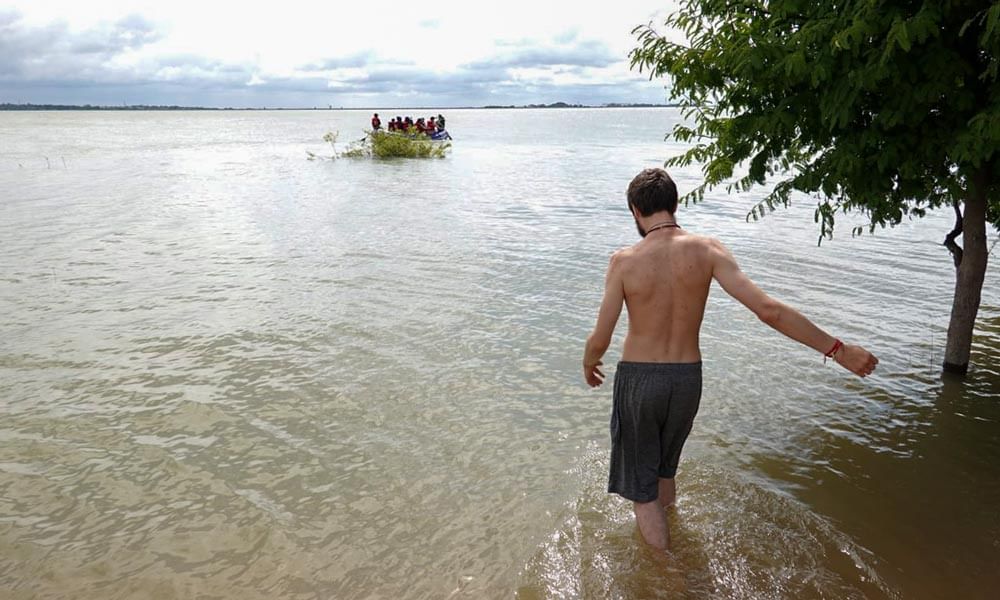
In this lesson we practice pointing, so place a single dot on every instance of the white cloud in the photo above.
(304, 53)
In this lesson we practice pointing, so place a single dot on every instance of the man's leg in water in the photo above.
(668, 492)
(652, 521)
(652, 517)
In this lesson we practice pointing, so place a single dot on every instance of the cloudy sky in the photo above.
(304, 54)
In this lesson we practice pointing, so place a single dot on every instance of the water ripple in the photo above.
(230, 372)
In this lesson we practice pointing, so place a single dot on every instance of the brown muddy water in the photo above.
(230, 372)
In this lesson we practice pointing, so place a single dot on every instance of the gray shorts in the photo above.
(654, 408)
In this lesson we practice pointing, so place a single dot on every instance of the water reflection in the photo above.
(227, 371)
(916, 480)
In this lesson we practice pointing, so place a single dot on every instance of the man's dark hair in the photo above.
(652, 191)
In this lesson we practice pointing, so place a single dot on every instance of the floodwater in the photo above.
(227, 371)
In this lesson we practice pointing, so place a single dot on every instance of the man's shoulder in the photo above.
(621, 256)
(623, 252)
(707, 242)
(696, 238)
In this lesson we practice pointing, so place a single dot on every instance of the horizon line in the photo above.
(8, 106)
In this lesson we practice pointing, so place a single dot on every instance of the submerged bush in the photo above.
(382, 144)
(417, 145)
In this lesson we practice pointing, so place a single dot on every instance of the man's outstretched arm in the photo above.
(599, 340)
(784, 318)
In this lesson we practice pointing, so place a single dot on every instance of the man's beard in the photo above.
(642, 232)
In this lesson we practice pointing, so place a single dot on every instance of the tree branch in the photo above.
(949, 240)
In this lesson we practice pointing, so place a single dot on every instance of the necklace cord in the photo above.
(662, 225)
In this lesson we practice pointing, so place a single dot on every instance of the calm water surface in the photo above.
(230, 372)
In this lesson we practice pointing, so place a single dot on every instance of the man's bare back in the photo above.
(664, 281)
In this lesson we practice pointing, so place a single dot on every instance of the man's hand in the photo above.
(856, 359)
(593, 374)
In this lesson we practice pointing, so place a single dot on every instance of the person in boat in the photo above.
(407, 124)
(664, 281)
(431, 126)
(376, 122)
(440, 122)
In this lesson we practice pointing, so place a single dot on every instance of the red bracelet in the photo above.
(837, 345)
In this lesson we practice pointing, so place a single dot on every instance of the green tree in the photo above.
(886, 107)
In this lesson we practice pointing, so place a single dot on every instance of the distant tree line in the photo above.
(8, 106)
(11, 106)
(567, 105)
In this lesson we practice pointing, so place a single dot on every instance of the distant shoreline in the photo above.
(148, 107)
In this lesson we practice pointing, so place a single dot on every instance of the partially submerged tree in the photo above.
(381, 144)
(414, 145)
(885, 107)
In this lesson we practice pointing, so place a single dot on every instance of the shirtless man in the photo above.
(664, 281)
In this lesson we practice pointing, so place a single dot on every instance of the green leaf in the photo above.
(901, 36)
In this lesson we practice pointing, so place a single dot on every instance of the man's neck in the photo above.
(657, 221)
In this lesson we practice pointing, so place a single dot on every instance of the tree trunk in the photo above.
(971, 272)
